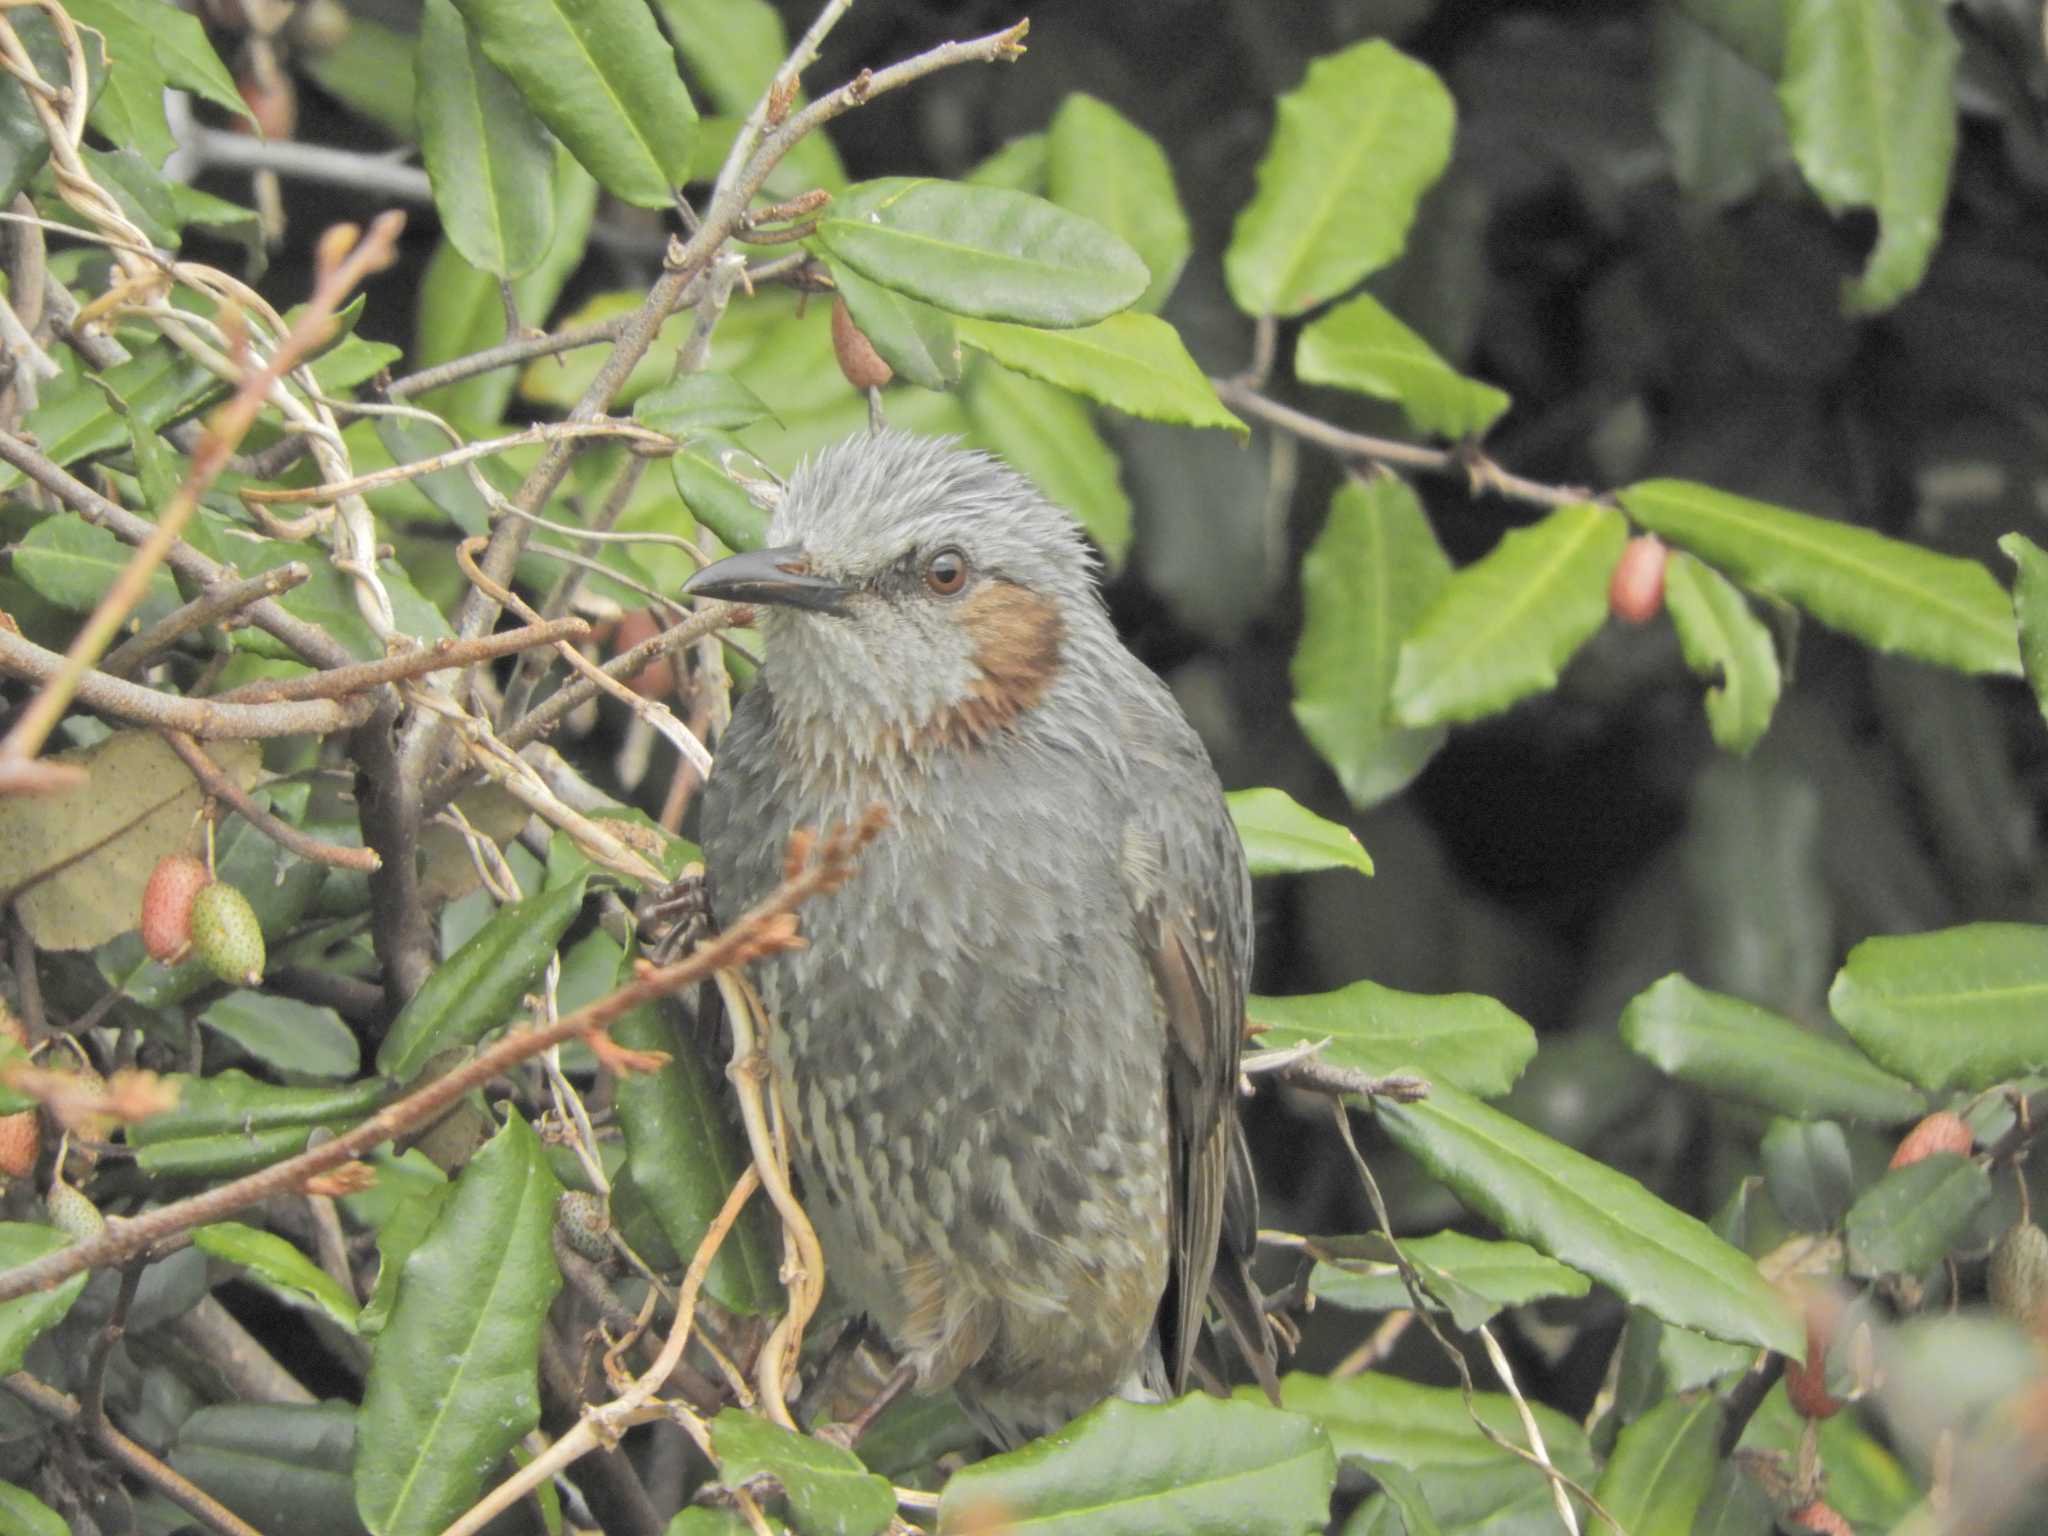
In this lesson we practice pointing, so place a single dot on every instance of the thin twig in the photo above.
(340, 682)
(769, 925)
(222, 786)
(209, 607)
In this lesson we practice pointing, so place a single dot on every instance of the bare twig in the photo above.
(212, 606)
(341, 682)
(222, 786)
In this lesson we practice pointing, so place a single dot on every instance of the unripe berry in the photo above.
(71, 1212)
(584, 1224)
(858, 359)
(1939, 1132)
(2019, 1275)
(167, 901)
(226, 935)
(1635, 592)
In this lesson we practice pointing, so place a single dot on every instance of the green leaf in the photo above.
(67, 561)
(1869, 94)
(1018, 166)
(1462, 1038)
(23, 1514)
(716, 502)
(1372, 572)
(24, 147)
(276, 1262)
(1502, 627)
(1381, 1417)
(286, 1033)
(1725, 1045)
(685, 1158)
(404, 1230)
(1361, 345)
(453, 1382)
(368, 68)
(1282, 837)
(1104, 167)
(1958, 1008)
(152, 45)
(1354, 148)
(234, 1101)
(280, 1466)
(1717, 112)
(488, 157)
(733, 48)
(1910, 1219)
(984, 252)
(1662, 1466)
(1890, 594)
(1809, 1172)
(1048, 436)
(1198, 1464)
(1726, 644)
(1607, 1224)
(1403, 1490)
(1133, 362)
(601, 75)
(27, 1318)
(158, 385)
(226, 1154)
(1456, 1270)
(829, 1492)
(916, 340)
(700, 402)
(476, 989)
(2030, 608)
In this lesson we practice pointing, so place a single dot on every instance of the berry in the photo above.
(20, 1141)
(167, 905)
(1806, 1381)
(858, 359)
(1820, 1517)
(70, 1211)
(1635, 592)
(1939, 1132)
(2018, 1279)
(584, 1224)
(227, 936)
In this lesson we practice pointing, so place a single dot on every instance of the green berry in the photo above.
(70, 1211)
(2019, 1275)
(226, 935)
(584, 1224)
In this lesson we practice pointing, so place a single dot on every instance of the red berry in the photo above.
(20, 1141)
(1819, 1517)
(167, 905)
(1635, 593)
(858, 359)
(1806, 1381)
(1939, 1132)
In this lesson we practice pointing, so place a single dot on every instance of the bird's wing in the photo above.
(1184, 868)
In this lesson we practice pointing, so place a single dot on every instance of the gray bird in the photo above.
(1010, 1047)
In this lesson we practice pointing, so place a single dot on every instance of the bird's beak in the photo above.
(768, 576)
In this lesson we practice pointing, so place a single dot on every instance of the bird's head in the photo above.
(912, 595)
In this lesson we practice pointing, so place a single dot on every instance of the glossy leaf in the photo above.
(828, 1491)
(1404, 1491)
(489, 158)
(1018, 166)
(916, 340)
(2030, 608)
(1361, 345)
(1893, 595)
(1868, 88)
(27, 1318)
(1502, 627)
(23, 1514)
(154, 46)
(280, 1466)
(1912, 1217)
(1282, 837)
(700, 402)
(685, 1157)
(226, 1154)
(1370, 574)
(1717, 112)
(1662, 1466)
(476, 989)
(277, 1263)
(71, 563)
(1195, 1464)
(1959, 1008)
(716, 502)
(982, 251)
(1381, 1417)
(1809, 1172)
(1461, 1038)
(1136, 363)
(1727, 644)
(453, 1382)
(1354, 148)
(1602, 1221)
(234, 1101)
(368, 68)
(1048, 435)
(1471, 1277)
(157, 385)
(1104, 167)
(286, 1033)
(1732, 1047)
(601, 75)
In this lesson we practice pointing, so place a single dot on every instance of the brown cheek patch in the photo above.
(1016, 637)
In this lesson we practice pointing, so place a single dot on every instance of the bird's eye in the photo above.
(946, 572)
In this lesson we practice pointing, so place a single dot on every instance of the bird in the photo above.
(1010, 1047)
